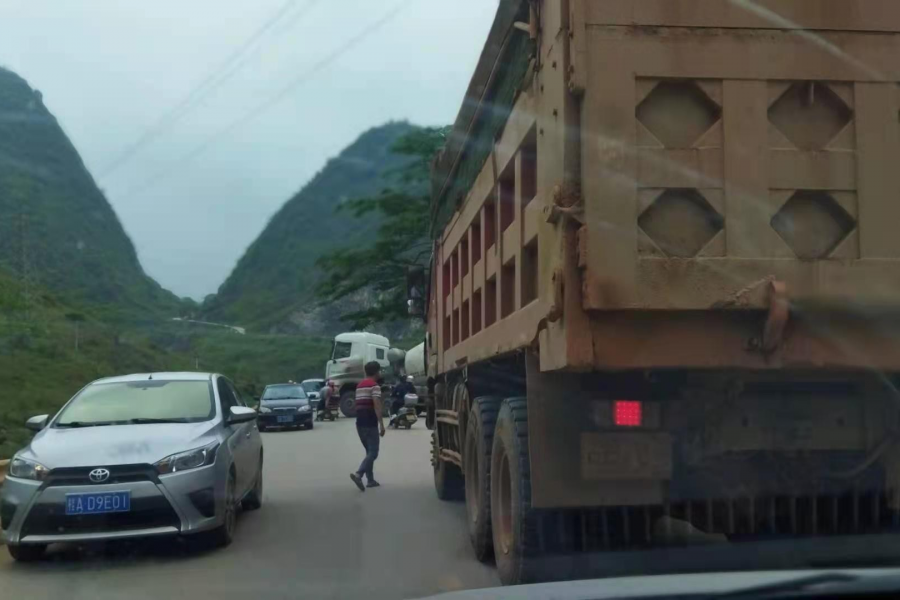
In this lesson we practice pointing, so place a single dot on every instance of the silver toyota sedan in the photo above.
(131, 457)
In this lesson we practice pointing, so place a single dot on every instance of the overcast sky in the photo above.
(111, 69)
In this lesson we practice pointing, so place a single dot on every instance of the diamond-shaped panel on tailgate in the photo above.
(812, 223)
(677, 113)
(810, 115)
(680, 222)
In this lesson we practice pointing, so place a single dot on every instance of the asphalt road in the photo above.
(316, 536)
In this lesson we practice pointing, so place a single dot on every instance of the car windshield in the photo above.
(312, 386)
(138, 402)
(639, 257)
(284, 392)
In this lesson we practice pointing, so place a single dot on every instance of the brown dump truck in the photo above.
(663, 304)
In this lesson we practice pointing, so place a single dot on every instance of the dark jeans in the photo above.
(370, 441)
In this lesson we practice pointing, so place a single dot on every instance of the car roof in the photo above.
(280, 384)
(163, 376)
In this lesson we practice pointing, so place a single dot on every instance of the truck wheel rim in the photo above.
(504, 505)
(473, 482)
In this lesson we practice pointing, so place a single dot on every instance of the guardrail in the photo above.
(3, 466)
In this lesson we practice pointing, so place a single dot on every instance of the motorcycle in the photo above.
(406, 414)
(330, 411)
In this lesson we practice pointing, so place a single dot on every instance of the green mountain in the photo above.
(273, 285)
(56, 228)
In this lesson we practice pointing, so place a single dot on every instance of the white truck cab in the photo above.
(349, 354)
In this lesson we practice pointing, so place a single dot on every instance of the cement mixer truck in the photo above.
(349, 354)
(351, 351)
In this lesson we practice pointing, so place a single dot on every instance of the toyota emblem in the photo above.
(98, 475)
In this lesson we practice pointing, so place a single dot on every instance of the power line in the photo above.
(220, 75)
(278, 97)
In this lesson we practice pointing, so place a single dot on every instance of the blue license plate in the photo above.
(95, 503)
(287, 419)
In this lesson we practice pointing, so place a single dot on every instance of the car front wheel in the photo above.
(27, 553)
(223, 535)
(253, 500)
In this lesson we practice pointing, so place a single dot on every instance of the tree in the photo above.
(401, 241)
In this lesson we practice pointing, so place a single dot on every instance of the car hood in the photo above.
(284, 403)
(116, 444)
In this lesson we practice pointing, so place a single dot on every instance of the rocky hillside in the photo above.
(273, 285)
(57, 230)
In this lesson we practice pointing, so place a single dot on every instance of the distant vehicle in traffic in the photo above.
(345, 368)
(132, 457)
(312, 388)
(285, 405)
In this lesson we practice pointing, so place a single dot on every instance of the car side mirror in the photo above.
(241, 414)
(37, 423)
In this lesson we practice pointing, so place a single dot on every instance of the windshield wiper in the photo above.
(143, 421)
(87, 423)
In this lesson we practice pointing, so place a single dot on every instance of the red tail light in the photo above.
(628, 413)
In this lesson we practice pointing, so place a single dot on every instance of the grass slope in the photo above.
(40, 367)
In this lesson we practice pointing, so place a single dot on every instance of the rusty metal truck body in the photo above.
(663, 304)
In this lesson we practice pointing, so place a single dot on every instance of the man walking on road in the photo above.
(369, 424)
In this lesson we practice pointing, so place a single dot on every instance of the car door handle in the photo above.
(247, 435)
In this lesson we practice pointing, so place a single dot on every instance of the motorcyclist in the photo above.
(325, 395)
(400, 391)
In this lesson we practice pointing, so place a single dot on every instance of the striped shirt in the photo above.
(367, 392)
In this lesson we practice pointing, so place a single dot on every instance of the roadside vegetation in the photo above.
(50, 348)
(400, 242)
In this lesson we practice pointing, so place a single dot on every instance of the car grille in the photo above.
(145, 513)
(285, 410)
(117, 474)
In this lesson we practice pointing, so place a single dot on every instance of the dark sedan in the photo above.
(285, 405)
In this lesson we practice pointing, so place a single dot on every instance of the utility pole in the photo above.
(24, 264)
(76, 318)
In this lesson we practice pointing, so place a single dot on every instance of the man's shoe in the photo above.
(358, 481)
(373, 484)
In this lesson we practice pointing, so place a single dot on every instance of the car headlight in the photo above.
(184, 461)
(304, 408)
(27, 469)
(263, 410)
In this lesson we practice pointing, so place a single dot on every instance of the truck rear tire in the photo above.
(477, 468)
(448, 478)
(348, 403)
(514, 523)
